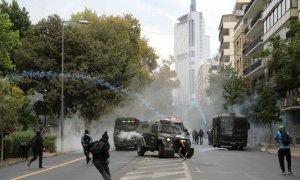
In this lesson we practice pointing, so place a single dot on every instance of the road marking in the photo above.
(48, 169)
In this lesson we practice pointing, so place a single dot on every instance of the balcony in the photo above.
(249, 5)
(252, 45)
(255, 70)
(290, 103)
(257, 17)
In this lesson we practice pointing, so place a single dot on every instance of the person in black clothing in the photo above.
(101, 160)
(200, 134)
(209, 135)
(86, 139)
(37, 148)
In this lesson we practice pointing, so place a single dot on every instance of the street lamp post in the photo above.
(62, 80)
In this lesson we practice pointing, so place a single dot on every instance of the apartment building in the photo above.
(238, 38)
(226, 33)
(254, 66)
(276, 16)
(202, 81)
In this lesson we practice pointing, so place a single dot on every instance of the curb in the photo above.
(19, 160)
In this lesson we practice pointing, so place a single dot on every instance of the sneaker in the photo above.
(283, 173)
(41, 166)
(290, 172)
(29, 163)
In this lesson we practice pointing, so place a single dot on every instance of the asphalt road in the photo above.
(207, 164)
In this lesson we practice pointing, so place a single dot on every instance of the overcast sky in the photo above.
(157, 17)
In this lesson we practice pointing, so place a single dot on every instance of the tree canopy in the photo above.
(226, 86)
(9, 39)
(109, 50)
(12, 101)
(283, 55)
(18, 17)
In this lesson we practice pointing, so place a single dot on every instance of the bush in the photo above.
(49, 143)
(7, 146)
(12, 142)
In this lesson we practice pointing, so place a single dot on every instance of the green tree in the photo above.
(283, 56)
(9, 39)
(18, 17)
(108, 48)
(12, 101)
(267, 111)
(226, 87)
(159, 92)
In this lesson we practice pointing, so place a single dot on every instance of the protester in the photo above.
(200, 134)
(37, 146)
(284, 149)
(209, 136)
(86, 139)
(195, 136)
(100, 152)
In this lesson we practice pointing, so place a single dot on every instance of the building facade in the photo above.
(226, 33)
(190, 50)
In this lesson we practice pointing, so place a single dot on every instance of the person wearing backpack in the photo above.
(284, 149)
(36, 143)
(100, 153)
(86, 139)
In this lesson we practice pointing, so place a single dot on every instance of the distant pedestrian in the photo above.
(86, 139)
(200, 134)
(195, 136)
(37, 146)
(284, 150)
(100, 152)
(209, 136)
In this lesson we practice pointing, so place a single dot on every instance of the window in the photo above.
(283, 7)
(265, 26)
(279, 11)
(288, 5)
(272, 19)
(275, 15)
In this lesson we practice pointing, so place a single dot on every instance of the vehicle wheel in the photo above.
(161, 151)
(190, 153)
(140, 149)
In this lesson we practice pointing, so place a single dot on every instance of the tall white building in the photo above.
(191, 48)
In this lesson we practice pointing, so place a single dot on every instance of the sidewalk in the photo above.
(295, 149)
(11, 161)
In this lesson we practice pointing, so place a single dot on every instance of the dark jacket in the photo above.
(102, 156)
(37, 144)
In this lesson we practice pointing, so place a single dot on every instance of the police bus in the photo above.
(124, 132)
(230, 130)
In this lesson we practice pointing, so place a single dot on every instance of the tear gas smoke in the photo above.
(128, 135)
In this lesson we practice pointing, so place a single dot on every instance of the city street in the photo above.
(207, 164)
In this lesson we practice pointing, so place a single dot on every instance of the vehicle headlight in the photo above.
(168, 139)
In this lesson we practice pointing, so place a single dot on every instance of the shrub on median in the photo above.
(12, 142)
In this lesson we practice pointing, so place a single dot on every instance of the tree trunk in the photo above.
(87, 124)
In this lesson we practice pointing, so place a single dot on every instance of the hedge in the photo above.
(12, 143)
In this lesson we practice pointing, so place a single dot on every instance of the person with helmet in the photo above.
(37, 146)
(284, 149)
(101, 159)
(86, 139)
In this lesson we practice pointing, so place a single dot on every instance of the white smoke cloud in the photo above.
(128, 135)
